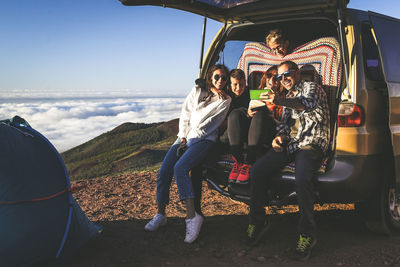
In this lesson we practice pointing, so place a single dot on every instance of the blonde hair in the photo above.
(275, 36)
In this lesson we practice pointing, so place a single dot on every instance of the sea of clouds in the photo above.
(70, 119)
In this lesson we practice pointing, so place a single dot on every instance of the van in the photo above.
(355, 55)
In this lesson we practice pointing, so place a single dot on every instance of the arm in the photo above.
(212, 122)
(293, 103)
(283, 129)
(307, 101)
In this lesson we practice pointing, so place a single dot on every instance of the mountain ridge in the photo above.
(127, 147)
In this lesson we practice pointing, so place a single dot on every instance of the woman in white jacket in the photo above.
(202, 113)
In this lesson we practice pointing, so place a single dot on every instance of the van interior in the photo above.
(304, 36)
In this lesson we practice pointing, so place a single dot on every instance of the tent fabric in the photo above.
(52, 226)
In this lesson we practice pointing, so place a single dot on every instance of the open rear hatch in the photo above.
(244, 10)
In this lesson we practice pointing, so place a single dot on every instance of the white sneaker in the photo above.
(155, 223)
(193, 226)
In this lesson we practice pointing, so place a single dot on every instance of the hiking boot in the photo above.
(304, 247)
(155, 223)
(193, 226)
(233, 175)
(255, 232)
(244, 174)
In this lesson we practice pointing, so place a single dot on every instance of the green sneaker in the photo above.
(304, 247)
(255, 232)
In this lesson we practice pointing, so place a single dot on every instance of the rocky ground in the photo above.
(124, 203)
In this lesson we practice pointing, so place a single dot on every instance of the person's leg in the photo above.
(197, 183)
(237, 130)
(261, 126)
(163, 184)
(263, 169)
(238, 124)
(307, 164)
(189, 160)
(261, 131)
(165, 177)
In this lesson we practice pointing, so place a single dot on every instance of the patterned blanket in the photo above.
(321, 55)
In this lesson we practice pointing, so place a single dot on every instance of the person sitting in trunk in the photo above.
(278, 42)
(256, 127)
(302, 136)
(268, 81)
(202, 113)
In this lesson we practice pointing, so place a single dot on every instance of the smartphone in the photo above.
(255, 94)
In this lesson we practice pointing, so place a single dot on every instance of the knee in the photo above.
(234, 116)
(304, 181)
(179, 171)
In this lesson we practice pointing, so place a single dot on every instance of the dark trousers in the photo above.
(256, 130)
(307, 163)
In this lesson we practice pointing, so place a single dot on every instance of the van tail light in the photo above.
(350, 115)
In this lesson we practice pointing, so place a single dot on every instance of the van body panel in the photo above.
(387, 32)
(358, 141)
(352, 179)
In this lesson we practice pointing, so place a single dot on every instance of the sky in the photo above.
(101, 45)
(75, 69)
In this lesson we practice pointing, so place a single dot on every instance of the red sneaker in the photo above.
(244, 174)
(235, 171)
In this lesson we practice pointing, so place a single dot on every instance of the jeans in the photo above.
(180, 168)
(307, 163)
(260, 129)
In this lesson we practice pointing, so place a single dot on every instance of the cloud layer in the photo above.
(73, 121)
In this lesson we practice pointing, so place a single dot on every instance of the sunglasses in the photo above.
(286, 74)
(269, 75)
(277, 49)
(223, 77)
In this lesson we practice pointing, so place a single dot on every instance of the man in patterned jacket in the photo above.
(303, 137)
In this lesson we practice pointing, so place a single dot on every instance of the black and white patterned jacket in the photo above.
(314, 125)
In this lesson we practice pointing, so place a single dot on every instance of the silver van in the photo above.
(355, 55)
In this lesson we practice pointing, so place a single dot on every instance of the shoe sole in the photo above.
(161, 225)
(242, 182)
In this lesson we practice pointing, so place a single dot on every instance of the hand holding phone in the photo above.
(267, 96)
(257, 94)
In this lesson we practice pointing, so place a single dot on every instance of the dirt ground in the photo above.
(124, 203)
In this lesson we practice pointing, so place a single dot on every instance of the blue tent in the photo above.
(40, 222)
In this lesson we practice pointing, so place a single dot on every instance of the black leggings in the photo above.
(256, 130)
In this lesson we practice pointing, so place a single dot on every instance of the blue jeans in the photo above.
(179, 168)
